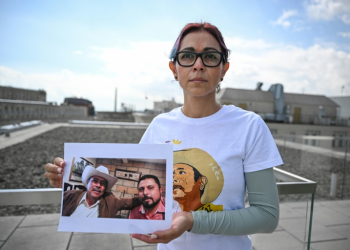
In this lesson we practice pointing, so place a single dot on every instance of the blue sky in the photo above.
(89, 48)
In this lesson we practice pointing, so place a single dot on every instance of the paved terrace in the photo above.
(330, 228)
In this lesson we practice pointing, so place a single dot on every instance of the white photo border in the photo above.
(118, 150)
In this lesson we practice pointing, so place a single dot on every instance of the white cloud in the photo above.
(142, 63)
(344, 34)
(250, 44)
(140, 69)
(143, 69)
(317, 69)
(282, 20)
(77, 52)
(328, 9)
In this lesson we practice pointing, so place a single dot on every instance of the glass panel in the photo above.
(325, 160)
(292, 230)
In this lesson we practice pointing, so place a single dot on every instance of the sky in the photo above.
(90, 49)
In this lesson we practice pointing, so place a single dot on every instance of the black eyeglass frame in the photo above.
(198, 55)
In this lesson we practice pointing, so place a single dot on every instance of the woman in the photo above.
(219, 151)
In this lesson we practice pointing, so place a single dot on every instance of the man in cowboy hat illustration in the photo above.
(197, 180)
(97, 200)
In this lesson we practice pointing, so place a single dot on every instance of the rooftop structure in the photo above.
(12, 93)
(276, 106)
(344, 103)
(165, 106)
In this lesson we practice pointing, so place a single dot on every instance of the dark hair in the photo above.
(192, 27)
(149, 176)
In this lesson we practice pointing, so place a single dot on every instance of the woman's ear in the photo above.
(173, 68)
(225, 68)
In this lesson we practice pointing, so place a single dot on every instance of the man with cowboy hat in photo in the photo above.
(97, 200)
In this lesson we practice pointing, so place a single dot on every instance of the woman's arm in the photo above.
(261, 217)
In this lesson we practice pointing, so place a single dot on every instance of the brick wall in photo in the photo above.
(128, 188)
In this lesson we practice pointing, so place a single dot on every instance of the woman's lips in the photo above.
(198, 80)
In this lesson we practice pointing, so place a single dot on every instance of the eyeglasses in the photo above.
(209, 59)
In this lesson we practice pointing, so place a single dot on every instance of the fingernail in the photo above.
(60, 175)
(153, 236)
(59, 170)
(61, 164)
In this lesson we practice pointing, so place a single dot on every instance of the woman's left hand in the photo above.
(182, 222)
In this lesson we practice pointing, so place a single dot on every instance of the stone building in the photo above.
(18, 111)
(165, 106)
(73, 101)
(344, 103)
(11, 93)
(295, 115)
(276, 106)
(19, 105)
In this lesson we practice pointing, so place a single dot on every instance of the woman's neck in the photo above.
(199, 107)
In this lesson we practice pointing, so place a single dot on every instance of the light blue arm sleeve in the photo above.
(261, 217)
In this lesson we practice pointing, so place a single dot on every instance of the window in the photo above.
(339, 140)
(312, 141)
(291, 137)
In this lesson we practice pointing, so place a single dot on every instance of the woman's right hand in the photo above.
(54, 172)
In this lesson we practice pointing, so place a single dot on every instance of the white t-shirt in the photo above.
(231, 142)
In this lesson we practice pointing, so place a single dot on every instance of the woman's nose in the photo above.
(198, 64)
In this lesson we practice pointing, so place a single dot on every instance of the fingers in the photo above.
(53, 168)
(57, 167)
(157, 237)
(182, 221)
(56, 183)
(59, 162)
(53, 176)
(151, 239)
(54, 172)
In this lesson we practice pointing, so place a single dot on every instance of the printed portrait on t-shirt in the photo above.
(197, 180)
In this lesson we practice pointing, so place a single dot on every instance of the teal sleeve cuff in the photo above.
(261, 217)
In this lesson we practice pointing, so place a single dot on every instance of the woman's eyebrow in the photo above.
(210, 48)
(188, 48)
(205, 49)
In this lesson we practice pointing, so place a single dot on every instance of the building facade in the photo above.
(80, 102)
(19, 105)
(10, 93)
(165, 106)
(276, 106)
(14, 110)
(344, 103)
(302, 118)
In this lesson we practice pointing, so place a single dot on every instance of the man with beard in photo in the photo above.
(150, 195)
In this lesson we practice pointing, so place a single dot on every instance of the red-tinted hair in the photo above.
(193, 27)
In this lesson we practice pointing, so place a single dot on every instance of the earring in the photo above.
(222, 79)
(175, 77)
(218, 89)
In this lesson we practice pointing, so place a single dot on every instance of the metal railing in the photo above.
(291, 184)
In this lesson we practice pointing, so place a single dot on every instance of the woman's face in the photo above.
(199, 80)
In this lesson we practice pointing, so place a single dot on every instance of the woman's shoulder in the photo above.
(173, 114)
(237, 113)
